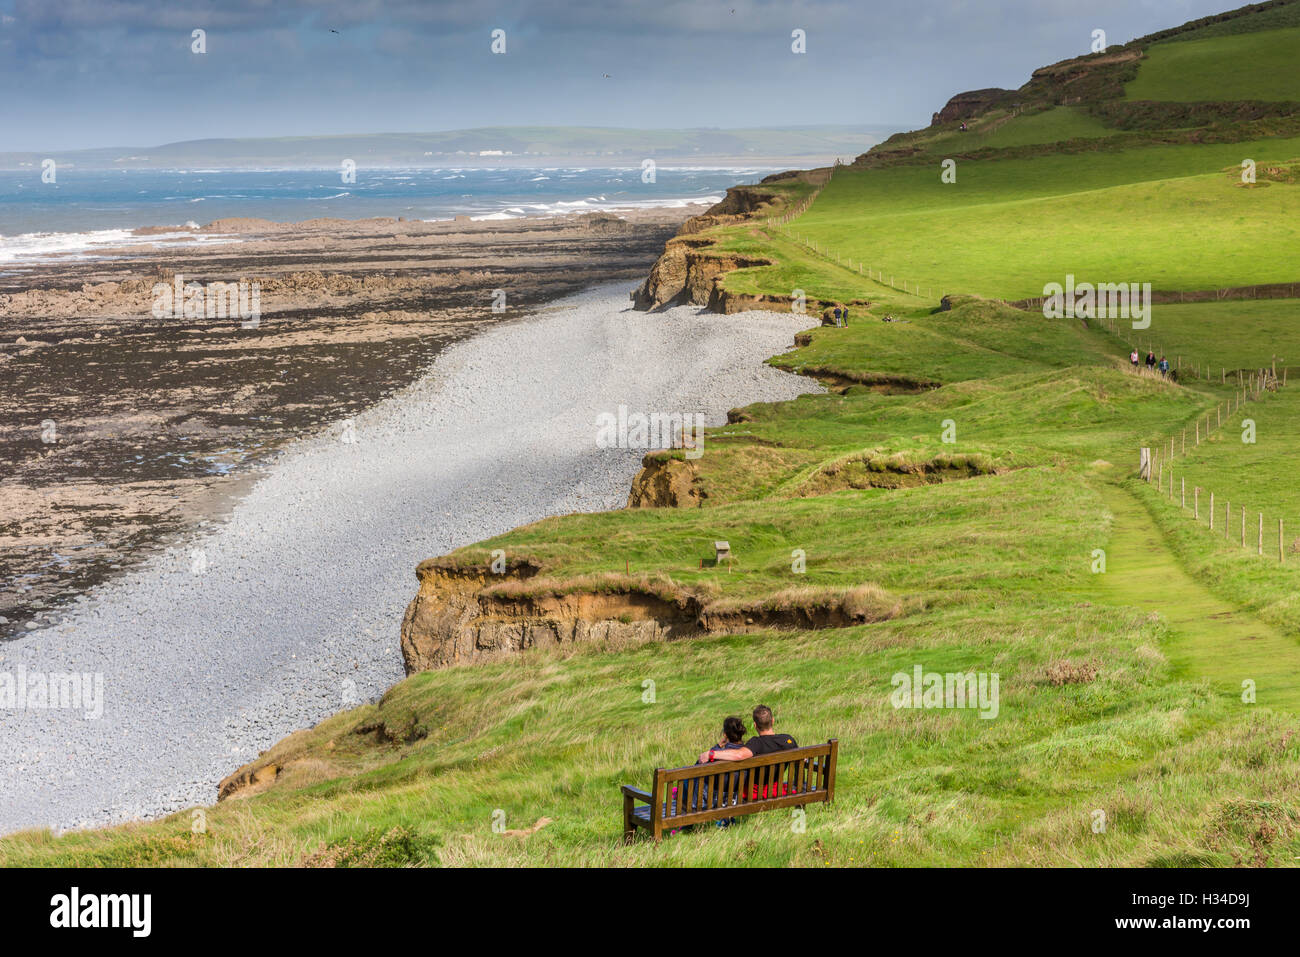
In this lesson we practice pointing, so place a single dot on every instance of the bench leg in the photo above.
(629, 829)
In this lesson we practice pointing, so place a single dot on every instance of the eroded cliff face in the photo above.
(973, 103)
(687, 271)
(468, 614)
(666, 482)
(690, 271)
(472, 614)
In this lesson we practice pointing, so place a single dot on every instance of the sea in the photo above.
(83, 209)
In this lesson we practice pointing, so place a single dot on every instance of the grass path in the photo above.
(1210, 638)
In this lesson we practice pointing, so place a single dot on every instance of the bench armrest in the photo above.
(635, 793)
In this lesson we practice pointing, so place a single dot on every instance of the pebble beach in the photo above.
(288, 609)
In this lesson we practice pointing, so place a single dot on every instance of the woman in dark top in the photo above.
(733, 736)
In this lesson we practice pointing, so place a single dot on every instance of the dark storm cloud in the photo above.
(120, 72)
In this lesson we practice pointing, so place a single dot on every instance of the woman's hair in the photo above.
(734, 729)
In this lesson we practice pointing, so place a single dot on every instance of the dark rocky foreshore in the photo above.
(120, 429)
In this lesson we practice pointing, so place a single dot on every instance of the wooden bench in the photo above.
(724, 789)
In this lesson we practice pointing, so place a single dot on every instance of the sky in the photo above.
(108, 73)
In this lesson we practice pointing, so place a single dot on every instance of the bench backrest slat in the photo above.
(657, 804)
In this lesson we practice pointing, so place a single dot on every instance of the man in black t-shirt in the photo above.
(765, 742)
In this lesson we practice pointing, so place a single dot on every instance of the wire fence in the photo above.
(1155, 461)
(782, 223)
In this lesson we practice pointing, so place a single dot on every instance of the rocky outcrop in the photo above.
(468, 614)
(248, 780)
(687, 271)
(973, 103)
(666, 482)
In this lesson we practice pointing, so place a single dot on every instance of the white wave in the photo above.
(593, 205)
(30, 247)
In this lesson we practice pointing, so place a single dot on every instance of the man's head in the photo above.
(762, 718)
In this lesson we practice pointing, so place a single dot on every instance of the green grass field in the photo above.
(1247, 66)
(1273, 18)
(1174, 216)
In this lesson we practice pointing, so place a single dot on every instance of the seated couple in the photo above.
(729, 747)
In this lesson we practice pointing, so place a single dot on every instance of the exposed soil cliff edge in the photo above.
(465, 614)
(972, 103)
(469, 613)
(687, 272)
(666, 482)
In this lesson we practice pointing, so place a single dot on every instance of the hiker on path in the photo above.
(1151, 361)
(1164, 367)
(1133, 358)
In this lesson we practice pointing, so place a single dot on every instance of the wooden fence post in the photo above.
(1211, 511)
(1144, 464)
(1196, 503)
